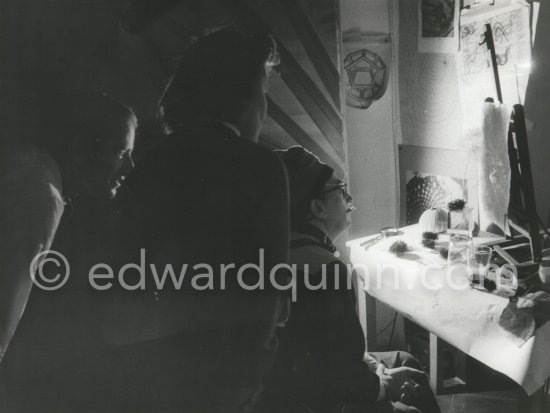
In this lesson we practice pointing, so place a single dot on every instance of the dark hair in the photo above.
(217, 75)
(84, 115)
(91, 113)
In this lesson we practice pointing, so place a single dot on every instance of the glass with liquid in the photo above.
(478, 262)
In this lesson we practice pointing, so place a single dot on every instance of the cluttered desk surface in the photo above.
(419, 285)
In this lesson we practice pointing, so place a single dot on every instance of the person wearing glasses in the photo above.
(322, 361)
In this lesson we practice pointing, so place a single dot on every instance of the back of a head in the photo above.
(216, 76)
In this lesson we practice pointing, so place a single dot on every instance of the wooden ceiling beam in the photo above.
(314, 48)
(300, 136)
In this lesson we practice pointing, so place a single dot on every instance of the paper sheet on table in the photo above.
(415, 252)
(466, 318)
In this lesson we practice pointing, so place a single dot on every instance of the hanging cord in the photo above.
(387, 325)
(392, 330)
(391, 324)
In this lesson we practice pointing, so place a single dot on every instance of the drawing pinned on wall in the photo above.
(425, 191)
(438, 26)
(512, 38)
(511, 34)
(466, 4)
(366, 78)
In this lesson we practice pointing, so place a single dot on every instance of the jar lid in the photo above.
(389, 232)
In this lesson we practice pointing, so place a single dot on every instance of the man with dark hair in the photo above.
(217, 79)
(207, 197)
(322, 360)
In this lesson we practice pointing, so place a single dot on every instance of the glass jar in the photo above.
(460, 246)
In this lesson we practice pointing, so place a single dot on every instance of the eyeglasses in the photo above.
(343, 187)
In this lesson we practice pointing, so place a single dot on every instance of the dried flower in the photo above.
(490, 285)
(430, 235)
(456, 205)
(399, 248)
(428, 243)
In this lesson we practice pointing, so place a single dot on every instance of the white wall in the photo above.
(371, 152)
(371, 142)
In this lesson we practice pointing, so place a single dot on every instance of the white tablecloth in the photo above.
(419, 286)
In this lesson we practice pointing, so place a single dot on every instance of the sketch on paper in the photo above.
(511, 36)
(425, 191)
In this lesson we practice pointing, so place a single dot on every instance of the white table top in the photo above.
(419, 286)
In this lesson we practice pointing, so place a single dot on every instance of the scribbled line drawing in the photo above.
(475, 55)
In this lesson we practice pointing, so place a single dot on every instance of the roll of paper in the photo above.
(494, 167)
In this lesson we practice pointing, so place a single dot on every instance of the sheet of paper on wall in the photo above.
(467, 4)
(512, 37)
(438, 30)
(480, 5)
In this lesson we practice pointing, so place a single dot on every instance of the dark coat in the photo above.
(207, 197)
(320, 361)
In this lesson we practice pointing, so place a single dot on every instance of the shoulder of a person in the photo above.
(316, 258)
(268, 163)
(316, 263)
(29, 170)
(31, 190)
(259, 152)
(258, 163)
(17, 156)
